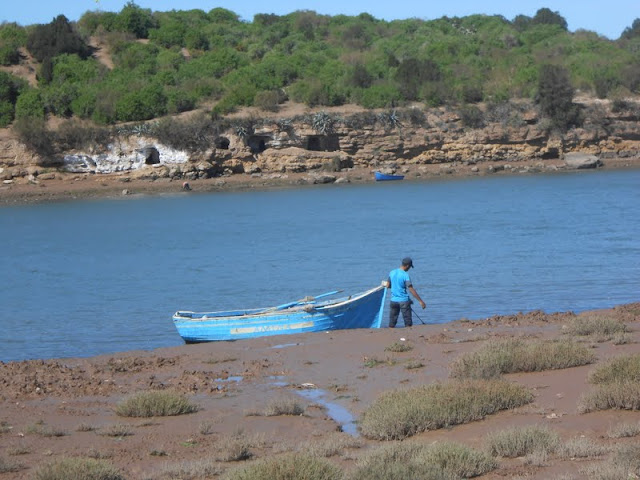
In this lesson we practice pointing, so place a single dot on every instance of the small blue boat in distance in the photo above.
(383, 177)
(363, 310)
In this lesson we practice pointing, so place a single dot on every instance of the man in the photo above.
(399, 282)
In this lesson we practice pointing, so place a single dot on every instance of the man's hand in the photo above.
(423, 305)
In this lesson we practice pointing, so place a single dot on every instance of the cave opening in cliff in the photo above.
(222, 143)
(323, 143)
(258, 143)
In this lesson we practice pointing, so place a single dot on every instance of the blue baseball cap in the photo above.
(407, 261)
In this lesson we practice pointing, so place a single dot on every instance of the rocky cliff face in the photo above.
(328, 143)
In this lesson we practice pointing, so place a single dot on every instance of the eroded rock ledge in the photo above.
(322, 143)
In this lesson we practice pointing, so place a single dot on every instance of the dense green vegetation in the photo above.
(170, 62)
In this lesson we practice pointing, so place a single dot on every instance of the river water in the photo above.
(93, 277)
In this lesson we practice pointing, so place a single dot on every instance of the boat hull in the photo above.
(384, 177)
(358, 311)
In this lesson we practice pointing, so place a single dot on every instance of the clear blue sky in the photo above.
(608, 18)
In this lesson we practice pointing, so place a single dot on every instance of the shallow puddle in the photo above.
(336, 412)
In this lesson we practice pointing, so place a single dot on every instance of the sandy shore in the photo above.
(64, 408)
(68, 187)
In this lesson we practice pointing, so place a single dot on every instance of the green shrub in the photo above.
(155, 404)
(33, 133)
(292, 466)
(12, 36)
(30, 105)
(471, 116)
(516, 355)
(402, 413)
(521, 441)
(78, 469)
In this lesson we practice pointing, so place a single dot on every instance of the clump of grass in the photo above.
(85, 427)
(371, 362)
(44, 430)
(332, 445)
(4, 427)
(98, 455)
(581, 447)
(619, 395)
(158, 453)
(234, 448)
(206, 428)
(517, 355)
(155, 404)
(398, 347)
(521, 441)
(290, 466)
(597, 325)
(78, 469)
(7, 466)
(619, 369)
(624, 430)
(413, 365)
(193, 470)
(18, 450)
(440, 461)
(117, 430)
(618, 382)
(402, 413)
(283, 406)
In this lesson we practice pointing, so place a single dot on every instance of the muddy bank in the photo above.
(53, 409)
(69, 187)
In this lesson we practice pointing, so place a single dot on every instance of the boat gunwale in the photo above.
(271, 311)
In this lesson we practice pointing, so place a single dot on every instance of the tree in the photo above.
(555, 96)
(633, 31)
(544, 16)
(55, 38)
(413, 73)
(136, 20)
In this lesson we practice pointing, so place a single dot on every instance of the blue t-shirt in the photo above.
(400, 280)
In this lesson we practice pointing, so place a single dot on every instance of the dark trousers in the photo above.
(394, 310)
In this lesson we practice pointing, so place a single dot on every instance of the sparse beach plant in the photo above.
(595, 324)
(439, 461)
(191, 470)
(414, 365)
(618, 369)
(290, 466)
(155, 404)
(398, 347)
(624, 430)
(398, 414)
(521, 441)
(118, 430)
(78, 469)
(7, 466)
(40, 428)
(618, 385)
(331, 445)
(581, 447)
(85, 427)
(518, 355)
(283, 406)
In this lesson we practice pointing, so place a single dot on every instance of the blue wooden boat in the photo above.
(363, 310)
(383, 177)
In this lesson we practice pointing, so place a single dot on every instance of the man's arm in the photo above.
(417, 297)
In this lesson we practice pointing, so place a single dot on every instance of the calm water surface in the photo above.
(94, 277)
